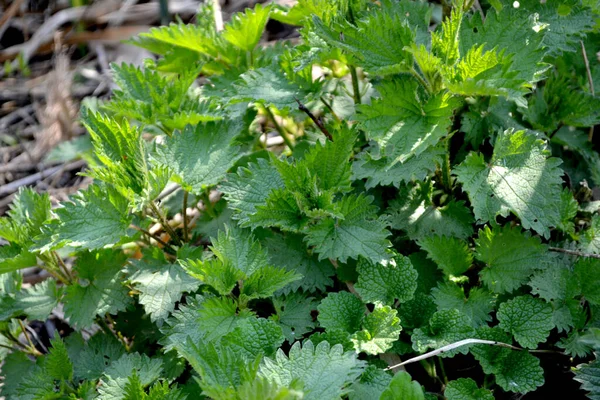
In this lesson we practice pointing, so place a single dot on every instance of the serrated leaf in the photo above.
(510, 257)
(515, 371)
(588, 272)
(222, 276)
(245, 29)
(160, 288)
(477, 306)
(589, 376)
(520, 179)
(325, 370)
(293, 313)
(57, 363)
(28, 211)
(99, 289)
(452, 255)
(380, 329)
(386, 282)
(402, 387)
(115, 378)
(290, 253)
(341, 310)
(417, 312)
(91, 358)
(528, 318)
(37, 302)
(359, 233)
(371, 385)
(405, 121)
(250, 187)
(200, 156)
(445, 327)
(267, 280)
(241, 249)
(253, 337)
(94, 218)
(15, 367)
(466, 389)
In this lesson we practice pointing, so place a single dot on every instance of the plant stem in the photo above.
(208, 206)
(422, 81)
(280, 130)
(153, 236)
(590, 83)
(62, 265)
(330, 108)
(442, 370)
(184, 215)
(574, 252)
(319, 124)
(165, 223)
(355, 88)
(31, 345)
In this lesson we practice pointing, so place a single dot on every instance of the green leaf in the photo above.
(589, 376)
(161, 287)
(588, 272)
(376, 43)
(37, 302)
(371, 385)
(293, 313)
(15, 367)
(91, 358)
(359, 233)
(477, 306)
(326, 371)
(289, 252)
(578, 143)
(528, 318)
(515, 371)
(13, 257)
(57, 363)
(452, 255)
(266, 281)
(250, 187)
(253, 337)
(28, 212)
(510, 257)
(245, 29)
(99, 289)
(341, 310)
(520, 178)
(241, 249)
(417, 312)
(222, 276)
(402, 387)
(94, 218)
(200, 156)
(115, 378)
(466, 389)
(445, 327)
(385, 282)
(381, 170)
(406, 120)
(379, 330)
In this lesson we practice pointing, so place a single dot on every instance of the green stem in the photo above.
(446, 171)
(165, 223)
(280, 130)
(421, 80)
(153, 236)
(61, 264)
(32, 348)
(184, 215)
(442, 370)
(330, 108)
(355, 89)
(208, 205)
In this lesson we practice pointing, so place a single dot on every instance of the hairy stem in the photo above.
(574, 252)
(165, 223)
(280, 130)
(153, 236)
(184, 215)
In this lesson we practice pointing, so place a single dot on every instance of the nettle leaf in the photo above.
(253, 337)
(290, 253)
(590, 238)
(376, 43)
(379, 330)
(528, 318)
(515, 371)
(250, 187)
(99, 289)
(94, 218)
(241, 249)
(520, 179)
(200, 156)
(359, 233)
(57, 363)
(466, 389)
(402, 387)
(588, 272)
(406, 120)
(445, 327)
(245, 29)
(267, 280)
(91, 358)
(452, 255)
(38, 301)
(115, 378)
(161, 286)
(511, 256)
(293, 313)
(385, 282)
(478, 306)
(325, 370)
(341, 310)
(28, 212)
(588, 374)
(371, 385)
(417, 312)
(381, 170)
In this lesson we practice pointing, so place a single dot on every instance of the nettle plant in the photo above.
(427, 205)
